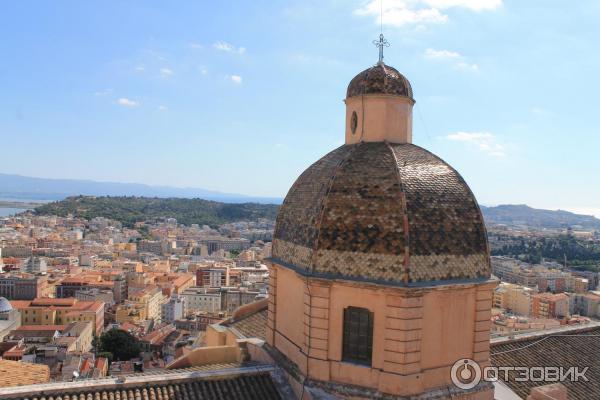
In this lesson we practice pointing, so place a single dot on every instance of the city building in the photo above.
(19, 286)
(512, 271)
(150, 299)
(34, 265)
(586, 304)
(94, 294)
(60, 312)
(213, 277)
(226, 244)
(202, 299)
(513, 298)
(548, 305)
(173, 309)
(17, 251)
(152, 246)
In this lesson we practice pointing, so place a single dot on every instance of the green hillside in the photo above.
(129, 210)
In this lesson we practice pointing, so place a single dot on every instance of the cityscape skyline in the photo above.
(137, 97)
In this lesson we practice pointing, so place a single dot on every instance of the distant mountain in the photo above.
(536, 218)
(129, 210)
(17, 187)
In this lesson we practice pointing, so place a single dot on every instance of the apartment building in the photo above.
(513, 298)
(202, 299)
(548, 305)
(45, 311)
(173, 309)
(213, 277)
(34, 265)
(19, 286)
(151, 300)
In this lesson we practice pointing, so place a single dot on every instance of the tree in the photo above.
(121, 344)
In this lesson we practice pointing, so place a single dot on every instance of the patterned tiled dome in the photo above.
(380, 79)
(384, 213)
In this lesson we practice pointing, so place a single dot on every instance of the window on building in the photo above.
(358, 335)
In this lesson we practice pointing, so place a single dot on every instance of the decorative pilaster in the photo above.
(403, 333)
(316, 320)
(272, 304)
(483, 313)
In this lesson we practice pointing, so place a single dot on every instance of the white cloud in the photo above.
(162, 108)
(474, 5)
(432, 53)
(103, 92)
(404, 12)
(166, 72)
(140, 68)
(540, 111)
(484, 141)
(195, 45)
(236, 79)
(125, 102)
(229, 48)
(203, 70)
(458, 59)
(467, 66)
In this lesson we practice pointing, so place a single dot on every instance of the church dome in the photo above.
(384, 213)
(380, 79)
(5, 305)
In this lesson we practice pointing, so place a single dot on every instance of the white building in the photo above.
(34, 265)
(202, 299)
(174, 309)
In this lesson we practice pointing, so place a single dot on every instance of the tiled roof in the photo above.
(40, 328)
(242, 383)
(385, 213)
(380, 79)
(575, 348)
(253, 325)
(16, 373)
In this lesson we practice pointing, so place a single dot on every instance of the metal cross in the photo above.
(381, 43)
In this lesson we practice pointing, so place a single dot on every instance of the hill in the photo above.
(129, 210)
(537, 218)
(17, 187)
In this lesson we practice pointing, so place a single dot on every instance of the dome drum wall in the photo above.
(385, 213)
(379, 118)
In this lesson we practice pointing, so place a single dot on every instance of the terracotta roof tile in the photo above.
(578, 348)
(16, 373)
(380, 79)
(385, 213)
(253, 325)
(246, 384)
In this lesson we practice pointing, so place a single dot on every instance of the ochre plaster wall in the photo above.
(380, 117)
(418, 333)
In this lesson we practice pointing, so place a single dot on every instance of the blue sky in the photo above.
(242, 96)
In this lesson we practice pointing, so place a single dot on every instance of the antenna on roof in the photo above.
(382, 42)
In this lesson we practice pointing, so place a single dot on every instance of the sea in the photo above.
(5, 212)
